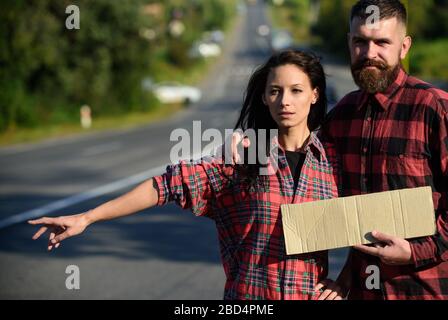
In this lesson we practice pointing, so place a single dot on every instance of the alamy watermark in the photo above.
(373, 21)
(373, 281)
(73, 281)
(262, 150)
(74, 19)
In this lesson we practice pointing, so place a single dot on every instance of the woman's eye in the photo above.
(296, 90)
(274, 92)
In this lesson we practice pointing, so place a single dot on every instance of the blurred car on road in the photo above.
(174, 92)
(205, 50)
(263, 30)
(281, 40)
(332, 98)
(214, 36)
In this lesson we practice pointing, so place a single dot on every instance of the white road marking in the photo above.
(102, 148)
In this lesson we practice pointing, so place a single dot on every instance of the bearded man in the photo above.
(391, 134)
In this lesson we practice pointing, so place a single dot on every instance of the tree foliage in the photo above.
(427, 19)
(48, 71)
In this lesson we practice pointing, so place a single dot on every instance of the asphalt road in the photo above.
(161, 253)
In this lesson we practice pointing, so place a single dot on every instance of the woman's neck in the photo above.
(292, 139)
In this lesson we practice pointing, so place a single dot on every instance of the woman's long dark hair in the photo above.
(255, 115)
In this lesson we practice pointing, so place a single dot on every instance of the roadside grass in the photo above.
(131, 120)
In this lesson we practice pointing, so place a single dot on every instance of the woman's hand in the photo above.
(60, 228)
(230, 147)
(331, 290)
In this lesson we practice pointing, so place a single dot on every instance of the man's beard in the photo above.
(374, 80)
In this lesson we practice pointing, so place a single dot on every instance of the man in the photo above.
(392, 134)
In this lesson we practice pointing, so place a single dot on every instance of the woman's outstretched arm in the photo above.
(141, 197)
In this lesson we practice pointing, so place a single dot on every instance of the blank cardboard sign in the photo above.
(342, 222)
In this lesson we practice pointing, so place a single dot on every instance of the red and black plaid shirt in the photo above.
(395, 140)
(249, 223)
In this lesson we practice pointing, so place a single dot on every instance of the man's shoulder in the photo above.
(346, 103)
(428, 91)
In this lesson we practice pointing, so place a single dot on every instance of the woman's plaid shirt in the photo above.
(396, 140)
(249, 220)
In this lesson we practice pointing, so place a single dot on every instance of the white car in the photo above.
(281, 40)
(205, 50)
(173, 92)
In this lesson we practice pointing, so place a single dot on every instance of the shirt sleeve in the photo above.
(191, 185)
(434, 249)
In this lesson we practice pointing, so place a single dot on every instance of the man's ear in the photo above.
(405, 47)
(263, 99)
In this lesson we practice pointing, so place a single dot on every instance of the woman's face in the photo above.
(289, 96)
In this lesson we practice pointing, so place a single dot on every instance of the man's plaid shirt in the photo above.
(249, 222)
(395, 140)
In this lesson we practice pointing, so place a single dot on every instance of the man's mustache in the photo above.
(370, 63)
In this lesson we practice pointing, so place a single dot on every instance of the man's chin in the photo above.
(373, 79)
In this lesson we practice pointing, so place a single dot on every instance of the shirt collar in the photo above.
(313, 146)
(384, 99)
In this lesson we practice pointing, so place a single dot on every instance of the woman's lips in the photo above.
(286, 114)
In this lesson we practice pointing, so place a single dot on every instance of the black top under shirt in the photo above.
(295, 162)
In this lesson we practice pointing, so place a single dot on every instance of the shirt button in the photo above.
(369, 119)
(401, 156)
(364, 150)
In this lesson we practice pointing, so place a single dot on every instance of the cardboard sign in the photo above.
(342, 222)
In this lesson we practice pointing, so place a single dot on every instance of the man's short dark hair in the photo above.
(388, 9)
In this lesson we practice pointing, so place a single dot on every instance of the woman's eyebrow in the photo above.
(279, 86)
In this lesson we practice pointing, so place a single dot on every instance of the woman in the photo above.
(287, 93)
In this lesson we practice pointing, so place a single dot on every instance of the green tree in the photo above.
(333, 24)
(49, 71)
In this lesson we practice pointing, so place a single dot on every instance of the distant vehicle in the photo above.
(241, 8)
(281, 40)
(205, 50)
(263, 30)
(331, 96)
(173, 92)
(214, 36)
